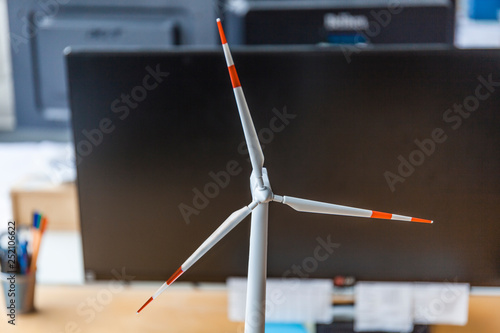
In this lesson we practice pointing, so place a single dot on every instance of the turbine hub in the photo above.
(263, 195)
(261, 190)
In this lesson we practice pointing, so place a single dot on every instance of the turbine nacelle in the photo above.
(264, 193)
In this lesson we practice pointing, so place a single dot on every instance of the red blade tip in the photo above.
(221, 32)
(414, 219)
(145, 304)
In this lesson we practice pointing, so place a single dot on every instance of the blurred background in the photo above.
(35, 131)
(37, 153)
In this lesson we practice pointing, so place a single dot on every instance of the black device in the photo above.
(39, 31)
(342, 327)
(340, 22)
(162, 161)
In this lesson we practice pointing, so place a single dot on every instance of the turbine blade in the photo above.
(310, 206)
(232, 221)
(251, 138)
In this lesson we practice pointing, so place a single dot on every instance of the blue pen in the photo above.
(19, 255)
(36, 218)
(23, 257)
(26, 257)
(39, 218)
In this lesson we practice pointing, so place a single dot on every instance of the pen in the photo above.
(23, 258)
(3, 260)
(37, 238)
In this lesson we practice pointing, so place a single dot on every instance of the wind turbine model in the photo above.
(262, 195)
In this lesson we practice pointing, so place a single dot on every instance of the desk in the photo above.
(107, 308)
(484, 317)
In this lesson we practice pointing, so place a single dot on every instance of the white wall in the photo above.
(7, 119)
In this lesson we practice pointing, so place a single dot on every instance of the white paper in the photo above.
(441, 303)
(287, 300)
(381, 306)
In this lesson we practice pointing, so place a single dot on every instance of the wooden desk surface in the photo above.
(107, 308)
(484, 317)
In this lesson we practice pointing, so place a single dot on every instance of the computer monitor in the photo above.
(161, 161)
(40, 30)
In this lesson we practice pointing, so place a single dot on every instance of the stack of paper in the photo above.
(384, 307)
(287, 300)
(395, 307)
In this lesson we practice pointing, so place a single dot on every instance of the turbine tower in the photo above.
(262, 195)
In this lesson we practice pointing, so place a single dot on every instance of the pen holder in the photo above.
(19, 292)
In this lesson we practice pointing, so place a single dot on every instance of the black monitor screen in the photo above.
(162, 161)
